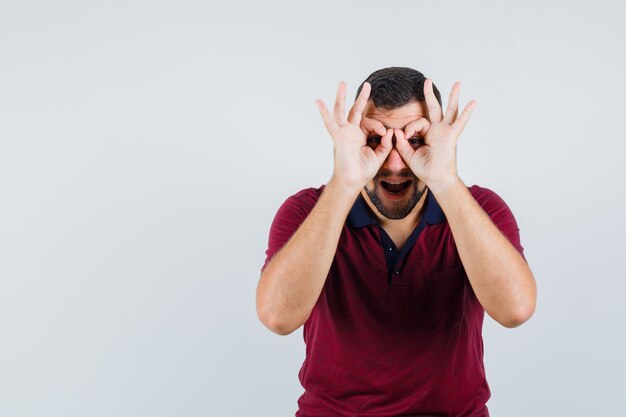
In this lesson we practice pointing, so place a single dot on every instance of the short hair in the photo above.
(396, 86)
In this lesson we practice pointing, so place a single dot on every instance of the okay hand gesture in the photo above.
(435, 161)
(355, 163)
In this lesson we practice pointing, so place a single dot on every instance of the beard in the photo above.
(394, 209)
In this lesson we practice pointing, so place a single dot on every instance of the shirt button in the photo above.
(390, 248)
(398, 272)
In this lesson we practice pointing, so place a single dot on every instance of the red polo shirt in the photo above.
(393, 333)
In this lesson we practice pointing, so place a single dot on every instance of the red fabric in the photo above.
(410, 348)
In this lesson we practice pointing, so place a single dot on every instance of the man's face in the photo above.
(395, 190)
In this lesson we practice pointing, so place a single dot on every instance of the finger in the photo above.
(326, 117)
(453, 103)
(385, 146)
(465, 115)
(434, 109)
(399, 134)
(340, 104)
(402, 145)
(356, 111)
(373, 125)
(417, 128)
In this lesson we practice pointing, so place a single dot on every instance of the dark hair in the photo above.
(396, 86)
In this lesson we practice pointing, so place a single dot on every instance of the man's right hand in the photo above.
(356, 161)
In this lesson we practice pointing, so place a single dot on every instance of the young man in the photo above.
(392, 264)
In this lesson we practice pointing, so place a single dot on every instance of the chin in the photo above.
(394, 209)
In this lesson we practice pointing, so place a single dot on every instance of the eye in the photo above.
(373, 141)
(416, 142)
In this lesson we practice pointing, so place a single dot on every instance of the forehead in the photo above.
(396, 118)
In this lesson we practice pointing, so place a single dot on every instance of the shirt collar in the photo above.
(360, 214)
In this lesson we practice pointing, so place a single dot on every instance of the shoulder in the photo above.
(302, 202)
(491, 203)
(500, 214)
(487, 198)
(494, 206)
(308, 195)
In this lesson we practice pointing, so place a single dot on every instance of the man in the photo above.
(392, 264)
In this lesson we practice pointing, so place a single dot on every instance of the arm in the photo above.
(293, 279)
(499, 275)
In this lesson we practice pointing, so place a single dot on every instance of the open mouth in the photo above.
(396, 187)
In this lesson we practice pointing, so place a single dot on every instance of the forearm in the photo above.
(293, 279)
(499, 275)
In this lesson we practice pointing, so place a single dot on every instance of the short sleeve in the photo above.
(288, 219)
(500, 215)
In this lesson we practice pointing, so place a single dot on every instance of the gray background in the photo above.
(145, 147)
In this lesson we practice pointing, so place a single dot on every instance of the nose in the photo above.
(394, 161)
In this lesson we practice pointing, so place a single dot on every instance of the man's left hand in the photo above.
(435, 161)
